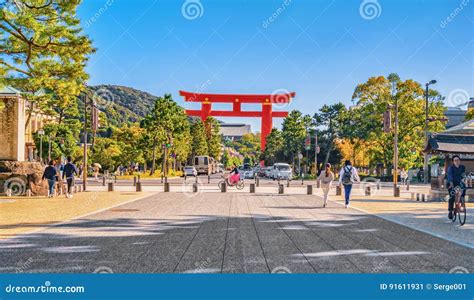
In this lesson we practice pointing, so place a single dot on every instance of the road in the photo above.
(241, 232)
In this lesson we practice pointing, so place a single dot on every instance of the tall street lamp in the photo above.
(41, 133)
(425, 167)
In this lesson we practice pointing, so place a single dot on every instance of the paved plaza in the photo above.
(233, 232)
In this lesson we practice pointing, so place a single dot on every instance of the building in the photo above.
(234, 131)
(455, 116)
(15, 134)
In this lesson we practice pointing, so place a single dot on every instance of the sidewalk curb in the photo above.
(414, 228)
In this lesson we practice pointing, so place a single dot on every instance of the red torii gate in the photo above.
(267, 114)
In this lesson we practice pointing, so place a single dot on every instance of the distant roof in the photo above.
(9, 91)
(234, 129)
(457, 139)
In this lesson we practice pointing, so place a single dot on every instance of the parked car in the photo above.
(281, 171)
(262, 172)
(190, 171)
(268, 171)
(247, 172)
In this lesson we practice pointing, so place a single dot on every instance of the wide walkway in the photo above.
(247, 233)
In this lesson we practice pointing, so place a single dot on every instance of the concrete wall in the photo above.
(12, 129)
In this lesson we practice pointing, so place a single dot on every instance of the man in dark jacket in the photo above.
(50, 175)
(69, 171)
(455, 175)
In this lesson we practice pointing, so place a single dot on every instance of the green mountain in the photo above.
(121, 104)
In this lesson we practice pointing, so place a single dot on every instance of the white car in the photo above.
(190, 171)
(281, 171)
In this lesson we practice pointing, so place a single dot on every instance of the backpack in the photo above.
(347, 176)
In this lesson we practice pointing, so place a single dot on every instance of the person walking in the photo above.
(50, 174)
(403, 176)
(347, 176)
(69, 171)
(326, 177)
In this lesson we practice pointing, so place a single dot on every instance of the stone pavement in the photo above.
(235, 232)
(21, 214)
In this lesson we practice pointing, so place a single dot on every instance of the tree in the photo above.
(293, 133)
(199, 143)
(332, 120)
(274, 148)
(43, 52)
(108, 153)
(128, 138)
(163, 124)
(213, 137)
(373, 98)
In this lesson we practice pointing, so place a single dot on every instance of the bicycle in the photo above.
(459, 210)
(239, 184)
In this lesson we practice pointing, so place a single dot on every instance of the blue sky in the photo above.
(320, 49)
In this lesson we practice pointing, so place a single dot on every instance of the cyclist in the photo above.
(454, 178)
(235, 176)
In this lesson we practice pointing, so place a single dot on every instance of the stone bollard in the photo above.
(378, 184)
(166, 187)
(408, 185)
(111, 187)
(223, 187)
(185, 177)
(9, 192)
(423, 197)
(139, 187)
(281, 189)
(257, 182)
(396, 191)
(195, 188)
(338, 190)
(318, 184)
(368, 191)
(208, 178)
(28, 193)
(309, 189)
(103, 181)
(134, 180)
(417, 196)
(287, 183)
(252, 188)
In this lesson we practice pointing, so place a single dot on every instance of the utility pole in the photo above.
(84, 163)
(316, 151)
(425, 164)
(396, 191)
(41, 133)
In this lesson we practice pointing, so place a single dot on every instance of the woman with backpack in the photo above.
(326, 177)
(347, 176)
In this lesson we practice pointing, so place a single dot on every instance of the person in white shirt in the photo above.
(347, 176)
(326, 177)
